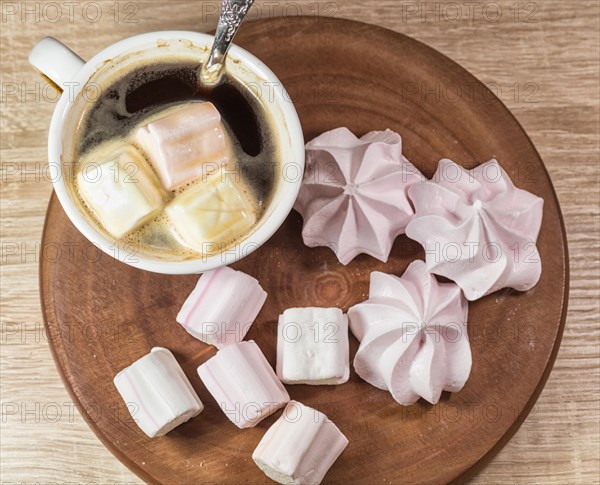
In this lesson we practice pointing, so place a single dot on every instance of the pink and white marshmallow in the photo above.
(312, 346)
(243, 383)
(222, 306)
(157, 393)
(185, 143)
(300, 447)
(119, 187)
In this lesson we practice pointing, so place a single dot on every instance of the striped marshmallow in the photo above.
(222, 307)
(243, 383)
(157, 393)
(300, 447)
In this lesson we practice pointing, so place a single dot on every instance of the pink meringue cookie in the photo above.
(354, 195)
(243, 383)
(413, 335)
(222, 306)
(477, 228)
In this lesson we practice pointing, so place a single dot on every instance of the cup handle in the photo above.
(56, 61)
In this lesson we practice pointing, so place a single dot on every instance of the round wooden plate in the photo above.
(101, 315)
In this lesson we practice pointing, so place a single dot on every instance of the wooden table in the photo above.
(542, 60)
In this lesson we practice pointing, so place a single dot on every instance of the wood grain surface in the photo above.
(514, 335)
(540, 57)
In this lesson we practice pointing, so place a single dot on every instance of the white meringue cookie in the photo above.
(477, 228)
(413, 335)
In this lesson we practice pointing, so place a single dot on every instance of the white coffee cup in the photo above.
(71, 73)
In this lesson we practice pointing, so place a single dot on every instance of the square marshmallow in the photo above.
(212, 212)
(185, 143)
(300, 446)
(120, 190)
(243, 383)
(157, 393)
(312, 346)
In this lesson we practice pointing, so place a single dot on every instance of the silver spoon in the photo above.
(232, 14)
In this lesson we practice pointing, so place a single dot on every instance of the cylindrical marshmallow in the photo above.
(243, 383)
(157, 393)
(312, 346)
(300, 447)
(222, 306)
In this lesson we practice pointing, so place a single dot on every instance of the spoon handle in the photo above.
(232, 14)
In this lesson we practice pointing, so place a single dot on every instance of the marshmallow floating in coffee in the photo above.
(185, 143)
(300, 447)
(157, 393)
(312, 346)
(222, 306)
(243, 383)
(120, 189)
(212, 212)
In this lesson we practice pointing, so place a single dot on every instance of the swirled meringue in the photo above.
(354, 196)
(477, 228)
(413, 335)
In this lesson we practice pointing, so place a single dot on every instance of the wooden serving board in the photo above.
(101, 315)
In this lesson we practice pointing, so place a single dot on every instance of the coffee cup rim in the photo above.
(205, 263)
